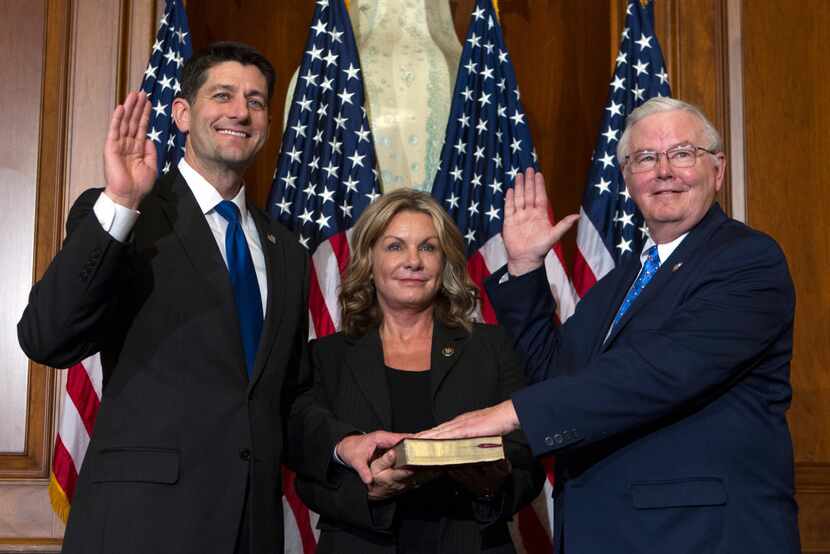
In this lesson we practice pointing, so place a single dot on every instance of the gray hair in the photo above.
(660, 104)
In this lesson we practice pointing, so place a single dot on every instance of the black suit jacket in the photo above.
(350, 379)
(181, 431)
(671, 435)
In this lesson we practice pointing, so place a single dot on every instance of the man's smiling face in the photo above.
(673, 200)
(227, 123)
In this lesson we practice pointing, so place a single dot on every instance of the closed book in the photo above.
(413, 452)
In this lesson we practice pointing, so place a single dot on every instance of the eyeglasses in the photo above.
(678, 157)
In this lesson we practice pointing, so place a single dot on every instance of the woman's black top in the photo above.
(419, 510)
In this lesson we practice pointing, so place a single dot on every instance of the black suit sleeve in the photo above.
(339, 494)
(66, 318)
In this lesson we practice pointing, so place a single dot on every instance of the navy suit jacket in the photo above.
(670, 435)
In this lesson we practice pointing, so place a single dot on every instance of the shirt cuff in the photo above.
(117, 220)
(336, 458)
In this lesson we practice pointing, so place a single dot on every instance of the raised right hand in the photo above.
(527, 232)
(129, 156)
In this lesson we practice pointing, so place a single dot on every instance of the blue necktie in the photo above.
(650, 267)
(243, 279)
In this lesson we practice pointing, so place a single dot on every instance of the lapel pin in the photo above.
(676, 266)
(271, 238)
(448, 351)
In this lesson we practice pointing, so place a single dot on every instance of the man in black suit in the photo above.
(665, 395)
(197, 303)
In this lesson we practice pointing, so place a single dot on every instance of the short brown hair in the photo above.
(194, 71)
(457, 295)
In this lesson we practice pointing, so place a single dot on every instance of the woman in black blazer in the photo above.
(408, 358)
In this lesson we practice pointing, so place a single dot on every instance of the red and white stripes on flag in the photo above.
(327, 264)
(80, 408)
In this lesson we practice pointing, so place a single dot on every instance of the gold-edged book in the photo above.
(444, 452)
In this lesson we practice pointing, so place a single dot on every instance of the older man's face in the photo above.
(673, 200)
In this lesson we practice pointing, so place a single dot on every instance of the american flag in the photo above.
(610, 225)
(487, 143)
(84, 380)
(326, 174)
(325, 178)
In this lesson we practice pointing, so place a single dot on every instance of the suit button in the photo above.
(549, 441)
(245, 454)
(558, 438)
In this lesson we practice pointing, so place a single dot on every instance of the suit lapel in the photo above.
(274, 252)
(364, 359)
(675, 263)
(199, 245)
(447, 345)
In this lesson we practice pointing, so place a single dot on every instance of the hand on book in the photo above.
(482, 480)
(386, 480)
(357, 451)
(500, 419)
(389, 481)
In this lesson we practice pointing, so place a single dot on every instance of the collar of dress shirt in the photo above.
(663, 250)
(206, 195)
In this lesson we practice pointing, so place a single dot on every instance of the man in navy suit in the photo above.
(664, 396)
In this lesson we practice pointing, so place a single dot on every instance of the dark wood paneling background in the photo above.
(787, 117)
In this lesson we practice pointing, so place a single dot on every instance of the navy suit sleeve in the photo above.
(65, 319)
(726, 324)
(525, 308)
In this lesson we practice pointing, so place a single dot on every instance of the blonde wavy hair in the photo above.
(457, 295)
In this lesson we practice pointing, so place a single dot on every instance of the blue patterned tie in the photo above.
(650, 267)
(244, 282)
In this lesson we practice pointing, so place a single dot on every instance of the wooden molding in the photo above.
(34, 461)
(693, 35)
(812, 485)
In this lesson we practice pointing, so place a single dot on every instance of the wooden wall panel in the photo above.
(787, 114)
(23, 43)
(40, 28)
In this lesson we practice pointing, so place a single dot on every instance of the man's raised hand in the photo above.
(129, 156)
(528, 233)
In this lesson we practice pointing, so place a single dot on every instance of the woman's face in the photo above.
(407, 263)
